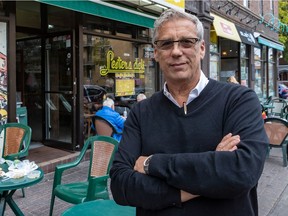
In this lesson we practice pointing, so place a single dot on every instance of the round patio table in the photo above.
(100, 208)
(8, 186)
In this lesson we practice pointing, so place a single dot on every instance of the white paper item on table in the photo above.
(23, 166)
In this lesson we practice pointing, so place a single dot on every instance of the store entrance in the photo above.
(59, 96)
(29, 84)
(45, 88)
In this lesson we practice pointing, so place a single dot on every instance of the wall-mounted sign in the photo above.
(125, 84)
(118, 65)
(176, 4)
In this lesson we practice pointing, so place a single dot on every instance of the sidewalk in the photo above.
(272, 190)
(273, 186)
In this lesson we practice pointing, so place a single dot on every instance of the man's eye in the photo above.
(166, 43)
(186, 43)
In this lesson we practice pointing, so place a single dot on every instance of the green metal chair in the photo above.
(15, 139)
(277, 131)
(278, 105)
(101, 156)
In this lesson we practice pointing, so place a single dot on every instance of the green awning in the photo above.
(105, 10)
(270, 43)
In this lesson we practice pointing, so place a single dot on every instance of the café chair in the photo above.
(277, 131)
(285, 112)
(102, 150)
(15, 139)
(278, 105)
(104, 127)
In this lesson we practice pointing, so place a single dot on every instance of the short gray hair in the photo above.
(108, 102)
(171, 14)
(141, 96)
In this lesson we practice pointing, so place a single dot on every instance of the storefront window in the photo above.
(271, 66)
(229, 59)
(258, 74)
(214, 55)
(214, 66)
(123, 69)
(244, 64)
(264, 71)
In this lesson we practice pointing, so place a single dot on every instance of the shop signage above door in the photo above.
(225, 28)
(118, 65)
(247, 36)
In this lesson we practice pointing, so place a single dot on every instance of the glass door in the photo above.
(59, 96)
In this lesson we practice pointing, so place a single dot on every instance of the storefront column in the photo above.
(11, 57)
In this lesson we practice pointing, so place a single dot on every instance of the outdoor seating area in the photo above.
(15, 141)
(275, 115)
(274, 107)
(95, 186)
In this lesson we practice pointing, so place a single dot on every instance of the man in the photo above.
(107, 112)
(196, 148)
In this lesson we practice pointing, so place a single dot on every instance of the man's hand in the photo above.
(228, 143)
(139, 164)
(185, 196)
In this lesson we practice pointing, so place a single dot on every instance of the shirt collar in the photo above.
(193, 93)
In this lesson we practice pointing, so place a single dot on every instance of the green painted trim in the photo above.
(270, 43)
(105, 11)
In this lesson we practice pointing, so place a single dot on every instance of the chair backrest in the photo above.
(278, 106)
(276, 130)
(16, 140)
(103, 127)
(103, 149)
(268, 101)
(285, 112)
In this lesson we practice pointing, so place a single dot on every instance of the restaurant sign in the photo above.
(118, 65)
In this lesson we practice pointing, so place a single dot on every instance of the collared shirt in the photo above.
(193, 93)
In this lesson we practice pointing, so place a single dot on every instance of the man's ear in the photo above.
(156, 54)
(202, 49)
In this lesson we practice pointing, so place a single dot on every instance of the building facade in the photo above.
(53, 51)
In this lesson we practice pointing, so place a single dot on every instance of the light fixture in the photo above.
(256, 34)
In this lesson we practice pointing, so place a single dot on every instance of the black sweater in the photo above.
(184, 156)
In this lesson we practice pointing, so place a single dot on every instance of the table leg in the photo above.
(12, 204)
(3, 202)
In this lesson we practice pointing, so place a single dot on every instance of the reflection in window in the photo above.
(244, 64)
(271, 66)
(257, 71)
(124, 69)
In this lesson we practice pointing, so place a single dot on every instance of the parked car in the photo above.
(283, 90)
(93, 97)
(94, 93)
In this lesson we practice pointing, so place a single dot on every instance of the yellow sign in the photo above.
(179, 3)
(175, 4)
(125, 84)
(118, 65)
(225, 28)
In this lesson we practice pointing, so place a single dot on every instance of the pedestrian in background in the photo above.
(107, 112)
(232, 79)
(197, 147)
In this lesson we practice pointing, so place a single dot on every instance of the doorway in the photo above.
(45, 88)
(58, 94)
